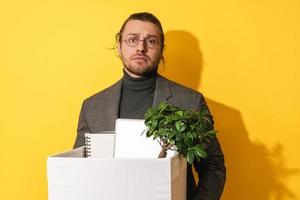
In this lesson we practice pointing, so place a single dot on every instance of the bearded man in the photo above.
(140, 47)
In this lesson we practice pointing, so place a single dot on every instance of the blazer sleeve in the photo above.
(211, 170)
(82, 127)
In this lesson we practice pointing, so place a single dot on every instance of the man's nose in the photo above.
(142, 46)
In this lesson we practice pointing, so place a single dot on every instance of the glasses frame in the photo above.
(144, 41)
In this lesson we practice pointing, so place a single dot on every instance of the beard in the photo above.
(142, 69)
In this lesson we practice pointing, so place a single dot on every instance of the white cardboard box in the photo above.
(71, 176)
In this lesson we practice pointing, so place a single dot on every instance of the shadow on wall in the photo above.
(253, 170)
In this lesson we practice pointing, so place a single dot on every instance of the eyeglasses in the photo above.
(133, 41)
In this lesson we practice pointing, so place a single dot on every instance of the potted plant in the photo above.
(184, 131)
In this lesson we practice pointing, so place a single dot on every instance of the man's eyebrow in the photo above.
(155, 36)
(148, 35)
(135, 34)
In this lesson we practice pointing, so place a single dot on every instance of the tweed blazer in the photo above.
(100, 111)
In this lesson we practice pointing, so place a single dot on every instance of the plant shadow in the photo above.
(253, 170)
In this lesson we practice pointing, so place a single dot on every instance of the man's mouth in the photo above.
(140, 58)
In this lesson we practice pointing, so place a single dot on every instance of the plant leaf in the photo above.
(188, 141)
(182, 128)
(199, 150)
(180, 113)
(190, 157)
(211, 133)
(178, 125)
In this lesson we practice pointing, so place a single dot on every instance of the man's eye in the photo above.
(132, 40)
(151, 41)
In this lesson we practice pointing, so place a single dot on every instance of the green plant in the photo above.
(182, 130)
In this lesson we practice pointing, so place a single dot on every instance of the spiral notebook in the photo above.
(100, 145)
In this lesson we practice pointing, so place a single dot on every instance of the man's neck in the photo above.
(132, 74)
(135, 76)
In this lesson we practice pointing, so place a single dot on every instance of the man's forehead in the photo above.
(141, 27)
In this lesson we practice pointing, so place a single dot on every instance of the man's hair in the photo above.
(143, 16)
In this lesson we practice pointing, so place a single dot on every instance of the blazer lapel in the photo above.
(162, 91)
(112, 109)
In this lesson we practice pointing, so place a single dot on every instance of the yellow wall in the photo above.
(243, 55)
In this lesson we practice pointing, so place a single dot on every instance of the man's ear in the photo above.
(119, 49)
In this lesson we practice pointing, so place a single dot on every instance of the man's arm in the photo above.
(82, 128)
(211, 170)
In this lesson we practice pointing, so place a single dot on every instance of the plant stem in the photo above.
(165, 147)
(163, 153)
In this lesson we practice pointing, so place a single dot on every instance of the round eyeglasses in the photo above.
(133, 41)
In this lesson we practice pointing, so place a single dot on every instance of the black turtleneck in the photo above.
(137, 96)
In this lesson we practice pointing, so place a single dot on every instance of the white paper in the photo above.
(131, 143)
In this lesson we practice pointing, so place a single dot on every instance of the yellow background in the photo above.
(242, 55)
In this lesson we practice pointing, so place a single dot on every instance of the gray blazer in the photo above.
(100, 111)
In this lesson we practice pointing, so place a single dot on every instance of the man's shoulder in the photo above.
(179, 88)
(106, 94)
(180, 95)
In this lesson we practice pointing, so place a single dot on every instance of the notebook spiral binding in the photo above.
(87, 140)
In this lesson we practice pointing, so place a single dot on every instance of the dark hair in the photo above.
(143, 16)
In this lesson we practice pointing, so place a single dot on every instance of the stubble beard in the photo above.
(142, 71)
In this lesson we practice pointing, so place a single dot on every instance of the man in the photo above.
(140, 47)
